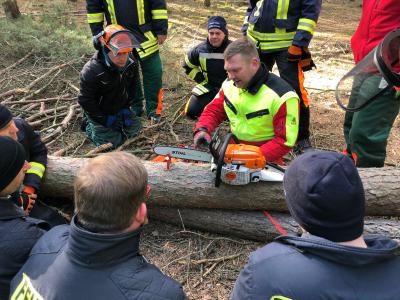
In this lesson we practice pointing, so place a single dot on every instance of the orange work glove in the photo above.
(294, 53)
(28, 198)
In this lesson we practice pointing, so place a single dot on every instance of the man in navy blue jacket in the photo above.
(332, 259)
(97, 257)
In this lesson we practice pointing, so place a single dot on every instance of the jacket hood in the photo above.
(96, 249)
(380, 248)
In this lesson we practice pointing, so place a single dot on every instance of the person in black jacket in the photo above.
(205, 65)
(18, 233)
(97, 257)
(332, 259)
(36, 154)
(149, 20)
(107, 88)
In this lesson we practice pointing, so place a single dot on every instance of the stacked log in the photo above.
(231, 209)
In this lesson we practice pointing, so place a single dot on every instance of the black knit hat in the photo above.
(325, 195)
(5, 116)
(12, 159)
(217, 22)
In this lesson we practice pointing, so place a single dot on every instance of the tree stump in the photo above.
(11, 9)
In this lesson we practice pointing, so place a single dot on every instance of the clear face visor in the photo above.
(379, 69)
(122, 42)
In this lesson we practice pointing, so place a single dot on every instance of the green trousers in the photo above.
(366, 131)
(152, 86)
(100, 134)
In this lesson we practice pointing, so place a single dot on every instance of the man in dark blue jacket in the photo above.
(282, 31)
(97, 257)
(205, 65)
(332, 259)
(18, 233)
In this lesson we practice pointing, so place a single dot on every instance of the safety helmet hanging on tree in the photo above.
(118, 39)
(382, 63)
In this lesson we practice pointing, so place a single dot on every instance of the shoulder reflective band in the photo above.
(36, 168)
(307, 25)
(140, 11)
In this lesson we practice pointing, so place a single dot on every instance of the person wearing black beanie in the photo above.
(12, 165)
(18, 233)
(332, 259)
(205, 64)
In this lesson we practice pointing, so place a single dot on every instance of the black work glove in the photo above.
(294, 53)
(306, 61)
(96, 42)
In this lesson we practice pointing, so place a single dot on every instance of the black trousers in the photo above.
(292, 74)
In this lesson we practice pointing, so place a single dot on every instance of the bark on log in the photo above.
(192, 186)
(254, 225)
(11, 9)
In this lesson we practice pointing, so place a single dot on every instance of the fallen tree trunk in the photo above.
(254, 225)
(192, 186)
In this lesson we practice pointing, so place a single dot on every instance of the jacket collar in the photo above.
(380, 248)
(219, 49)
(8, 210)
(258, 79)
(95, 249)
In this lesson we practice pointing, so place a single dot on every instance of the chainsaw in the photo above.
(234, 164)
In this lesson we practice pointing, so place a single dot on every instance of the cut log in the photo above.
(254, 225)
(191, 185)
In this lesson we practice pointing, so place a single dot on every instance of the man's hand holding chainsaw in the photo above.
(201, 137)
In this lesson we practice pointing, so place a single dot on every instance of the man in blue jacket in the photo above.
(332, 259)
(97, 257)
(18, 232)
(282, 31)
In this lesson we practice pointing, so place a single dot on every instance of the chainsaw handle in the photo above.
(220, 161)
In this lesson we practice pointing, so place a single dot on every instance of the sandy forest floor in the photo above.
(177, 251)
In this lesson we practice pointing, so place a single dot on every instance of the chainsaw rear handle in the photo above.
(220, 159)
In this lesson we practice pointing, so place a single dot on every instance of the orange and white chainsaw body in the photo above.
(245, 164)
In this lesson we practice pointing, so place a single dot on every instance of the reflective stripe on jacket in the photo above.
(146, 18)
(36, 153)
(276, 132)
(277, 24)
(205, 65)
(251, 116)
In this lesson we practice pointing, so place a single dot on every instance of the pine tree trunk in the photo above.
(11, 9)
(254, 225)
(189, 185)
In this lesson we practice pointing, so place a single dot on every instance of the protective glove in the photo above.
(201, 137)
(96, 42)
(294, 53)
(28, 198)
(306, 61)
(126, 115)
(113, 122)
